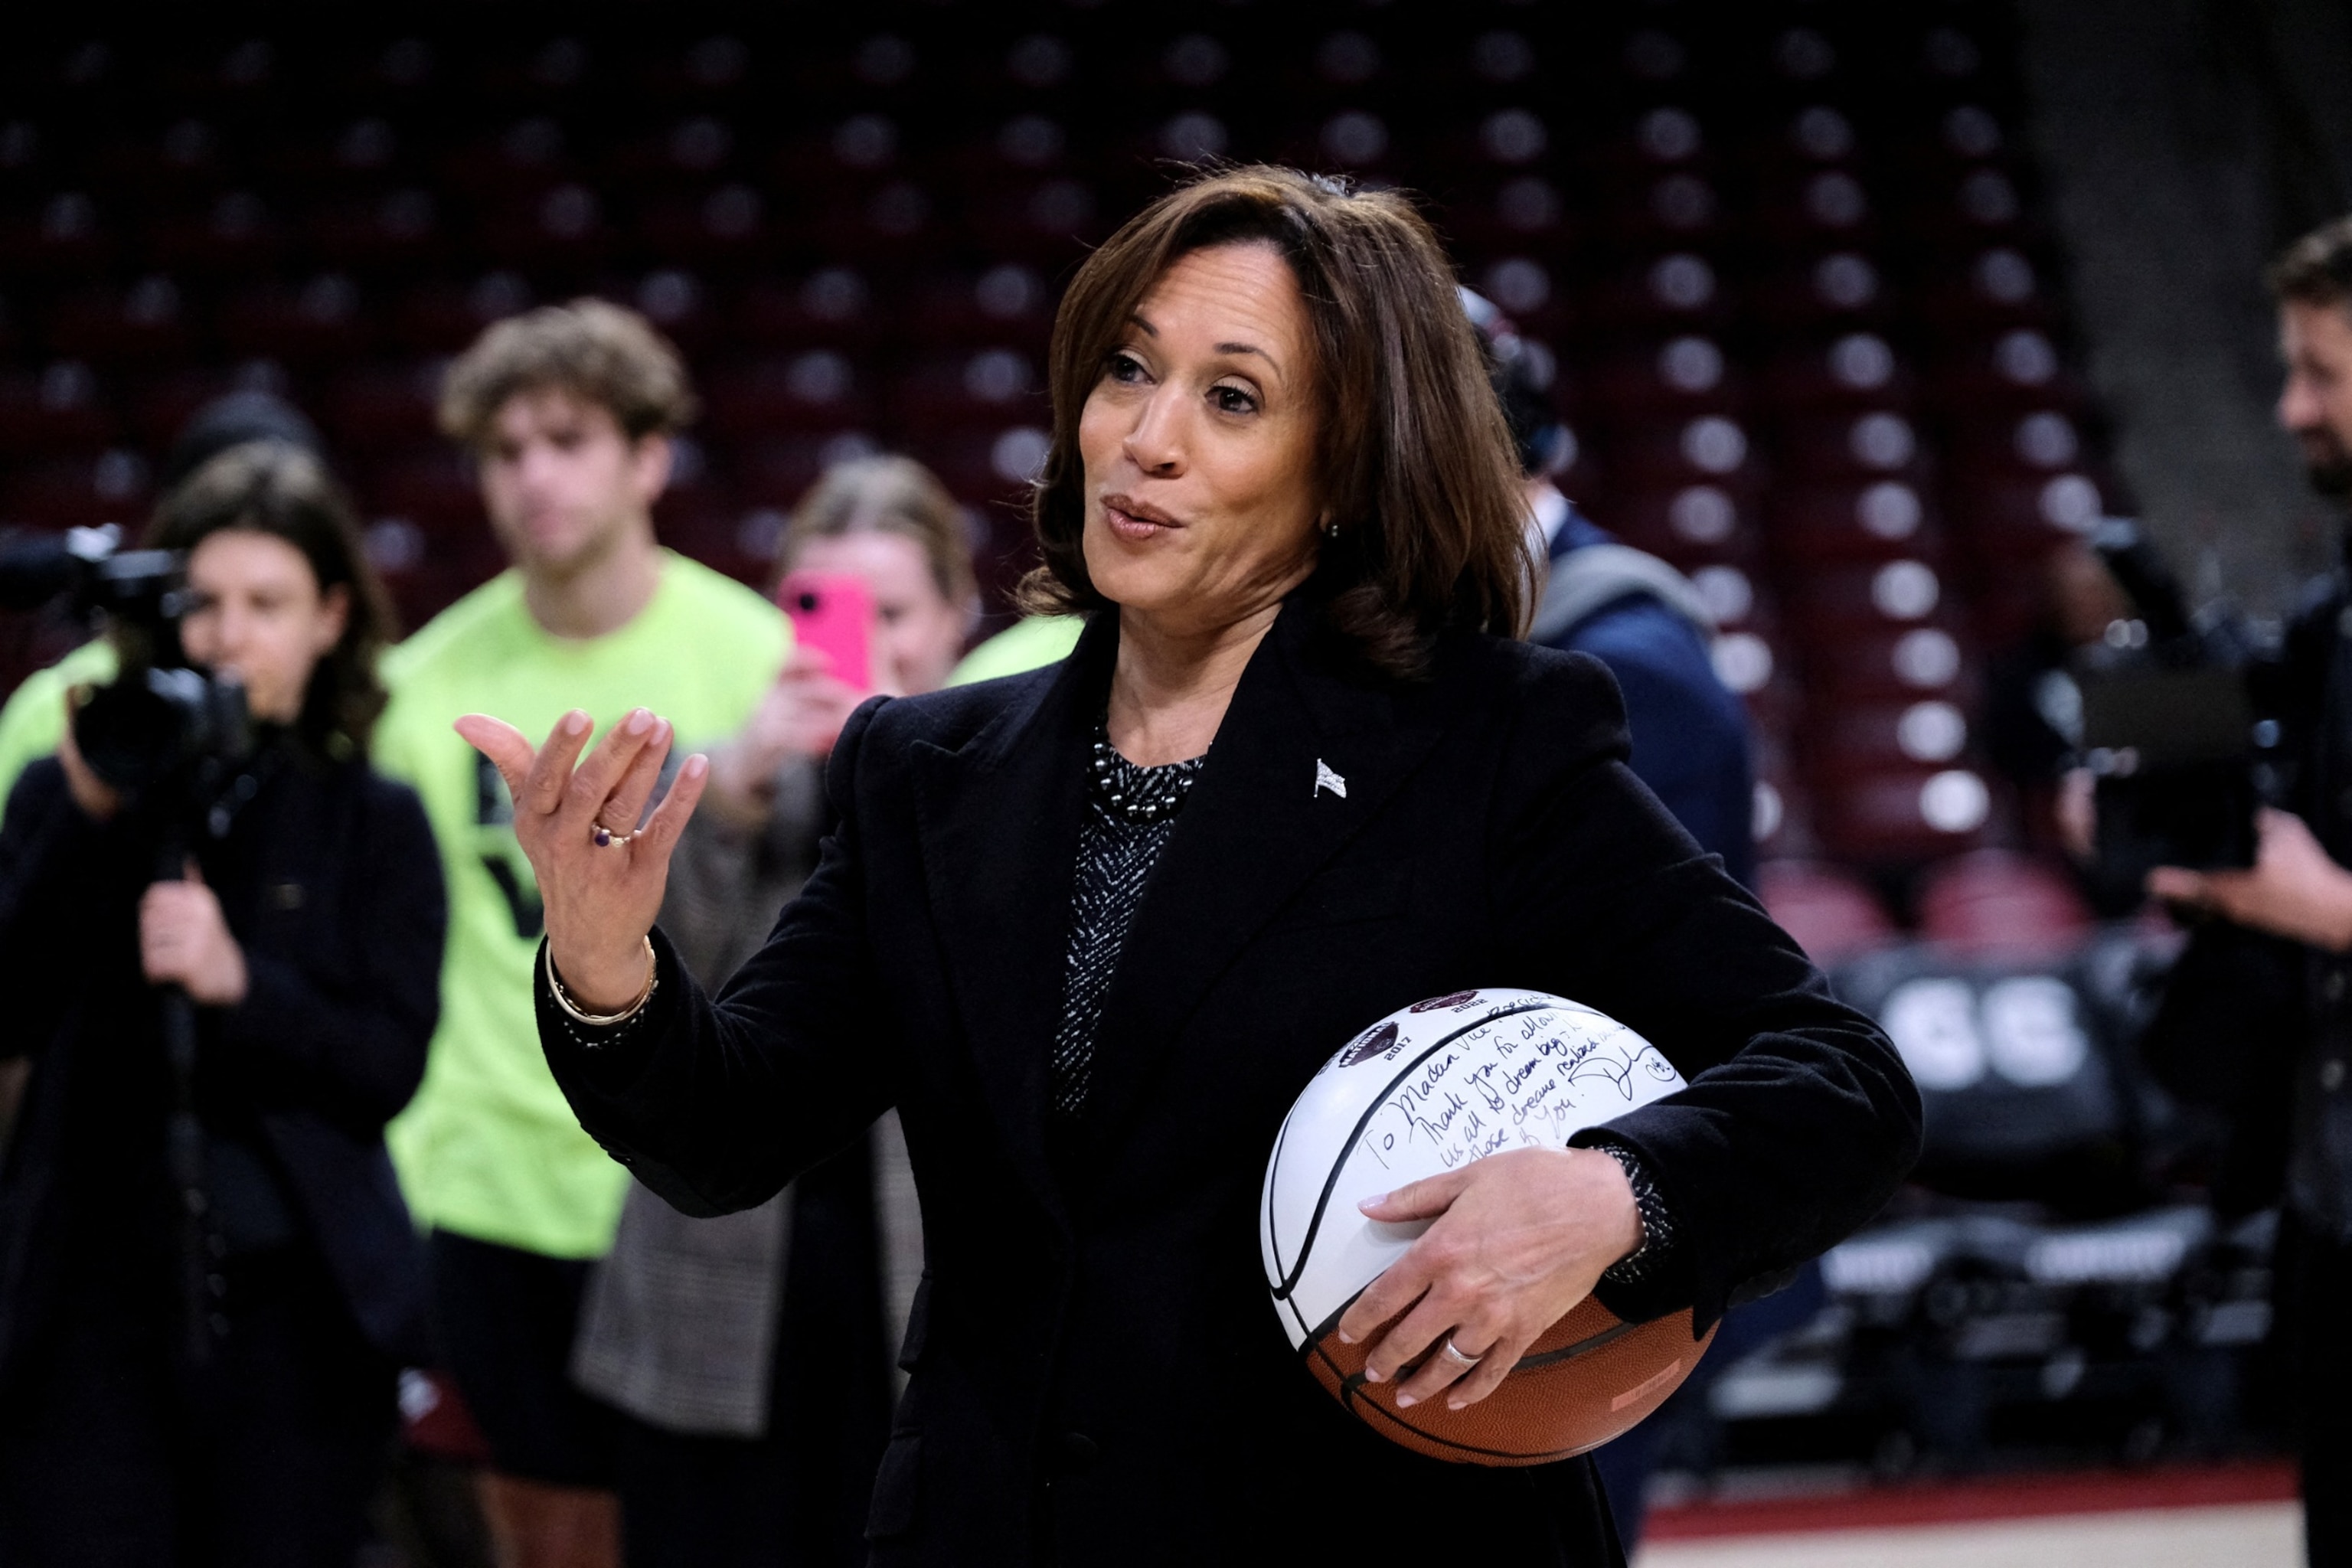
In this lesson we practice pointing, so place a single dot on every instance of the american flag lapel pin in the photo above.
(1326, 779)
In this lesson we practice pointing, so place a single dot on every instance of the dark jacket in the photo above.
(1689, 733)
(329, 881)
(1099, 1376)
(2260, 1027)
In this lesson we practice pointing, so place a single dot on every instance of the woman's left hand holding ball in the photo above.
(1520, 1237)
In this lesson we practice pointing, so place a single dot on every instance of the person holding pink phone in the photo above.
(770, 1458)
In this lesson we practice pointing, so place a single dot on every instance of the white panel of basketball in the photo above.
(1427, 1089)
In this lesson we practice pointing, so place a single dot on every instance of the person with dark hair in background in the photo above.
(246, 1426)
(748, 1355)
(2257, 1018)
(34, 715)
(1630, 610)
(567, 413)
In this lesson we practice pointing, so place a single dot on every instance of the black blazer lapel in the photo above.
(1304, 759)
(999, 822)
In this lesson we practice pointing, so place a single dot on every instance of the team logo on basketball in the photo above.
(1451, 999)
(1371, 1045)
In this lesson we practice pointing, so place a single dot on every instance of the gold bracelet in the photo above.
(604, 1020)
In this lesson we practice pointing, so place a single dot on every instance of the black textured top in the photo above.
(1131, 811)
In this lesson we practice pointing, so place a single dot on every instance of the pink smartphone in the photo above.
(832, 612)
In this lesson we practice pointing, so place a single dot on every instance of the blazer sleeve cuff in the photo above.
(1661, 1276)
(612, 1060)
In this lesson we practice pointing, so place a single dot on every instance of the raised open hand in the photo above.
(601, 874)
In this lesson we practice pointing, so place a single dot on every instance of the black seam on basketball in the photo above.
(1315, 1340)
(1570, 1352)
(1351, 1396)
(1273, 1168)
(1549, 1456)
(1534, 1362)
(1289, 1281)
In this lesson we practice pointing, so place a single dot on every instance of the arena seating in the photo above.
(1965, 1341)
(1787, 258)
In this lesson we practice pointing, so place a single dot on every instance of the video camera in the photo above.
(161, 717)
(2173, 728)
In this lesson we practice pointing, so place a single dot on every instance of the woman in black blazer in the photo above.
(252, 1429)
(1092, 957)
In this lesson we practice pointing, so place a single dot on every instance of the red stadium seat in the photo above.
(1859, 737)
(1892, 662)
(373, 408)
(1868, 444)
(71, 492)
(1832, 914)
(993, 387)
(1877, 520)
(62, 406)
(1855, 371)
(1997, 903)
(432, 485)
(814, 390)
(1805, 318)
(235, 234)
(1907, 813)
(144, 321)
(325, 317)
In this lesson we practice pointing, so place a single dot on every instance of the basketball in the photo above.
(1421, 1092)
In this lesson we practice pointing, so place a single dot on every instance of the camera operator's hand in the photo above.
(2077, 811)
(2293, 890)
(98, 799)
(182, 937)
(600, 898)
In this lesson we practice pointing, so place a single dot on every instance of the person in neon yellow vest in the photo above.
(568, 413)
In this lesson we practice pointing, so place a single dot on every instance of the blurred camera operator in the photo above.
(2258, 1017)
(308, 934)
(35, 713)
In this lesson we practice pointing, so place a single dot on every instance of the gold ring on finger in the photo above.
(605, 837)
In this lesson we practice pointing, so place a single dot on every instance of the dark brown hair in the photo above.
(270, 487)
(2315, 269)
(1419, 476)
(886, 495)
(597, 352)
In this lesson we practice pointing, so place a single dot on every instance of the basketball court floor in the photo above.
(2242, 1515)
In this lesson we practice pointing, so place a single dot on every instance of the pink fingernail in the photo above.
(1346, 1338)
(1455, 1404)
(1375, 1201)
(1406, 1401)
(696, 766)
(575, 722)
(639, 722)
(1371, 1375)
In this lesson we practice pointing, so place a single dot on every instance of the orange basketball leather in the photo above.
(1589, 1377)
